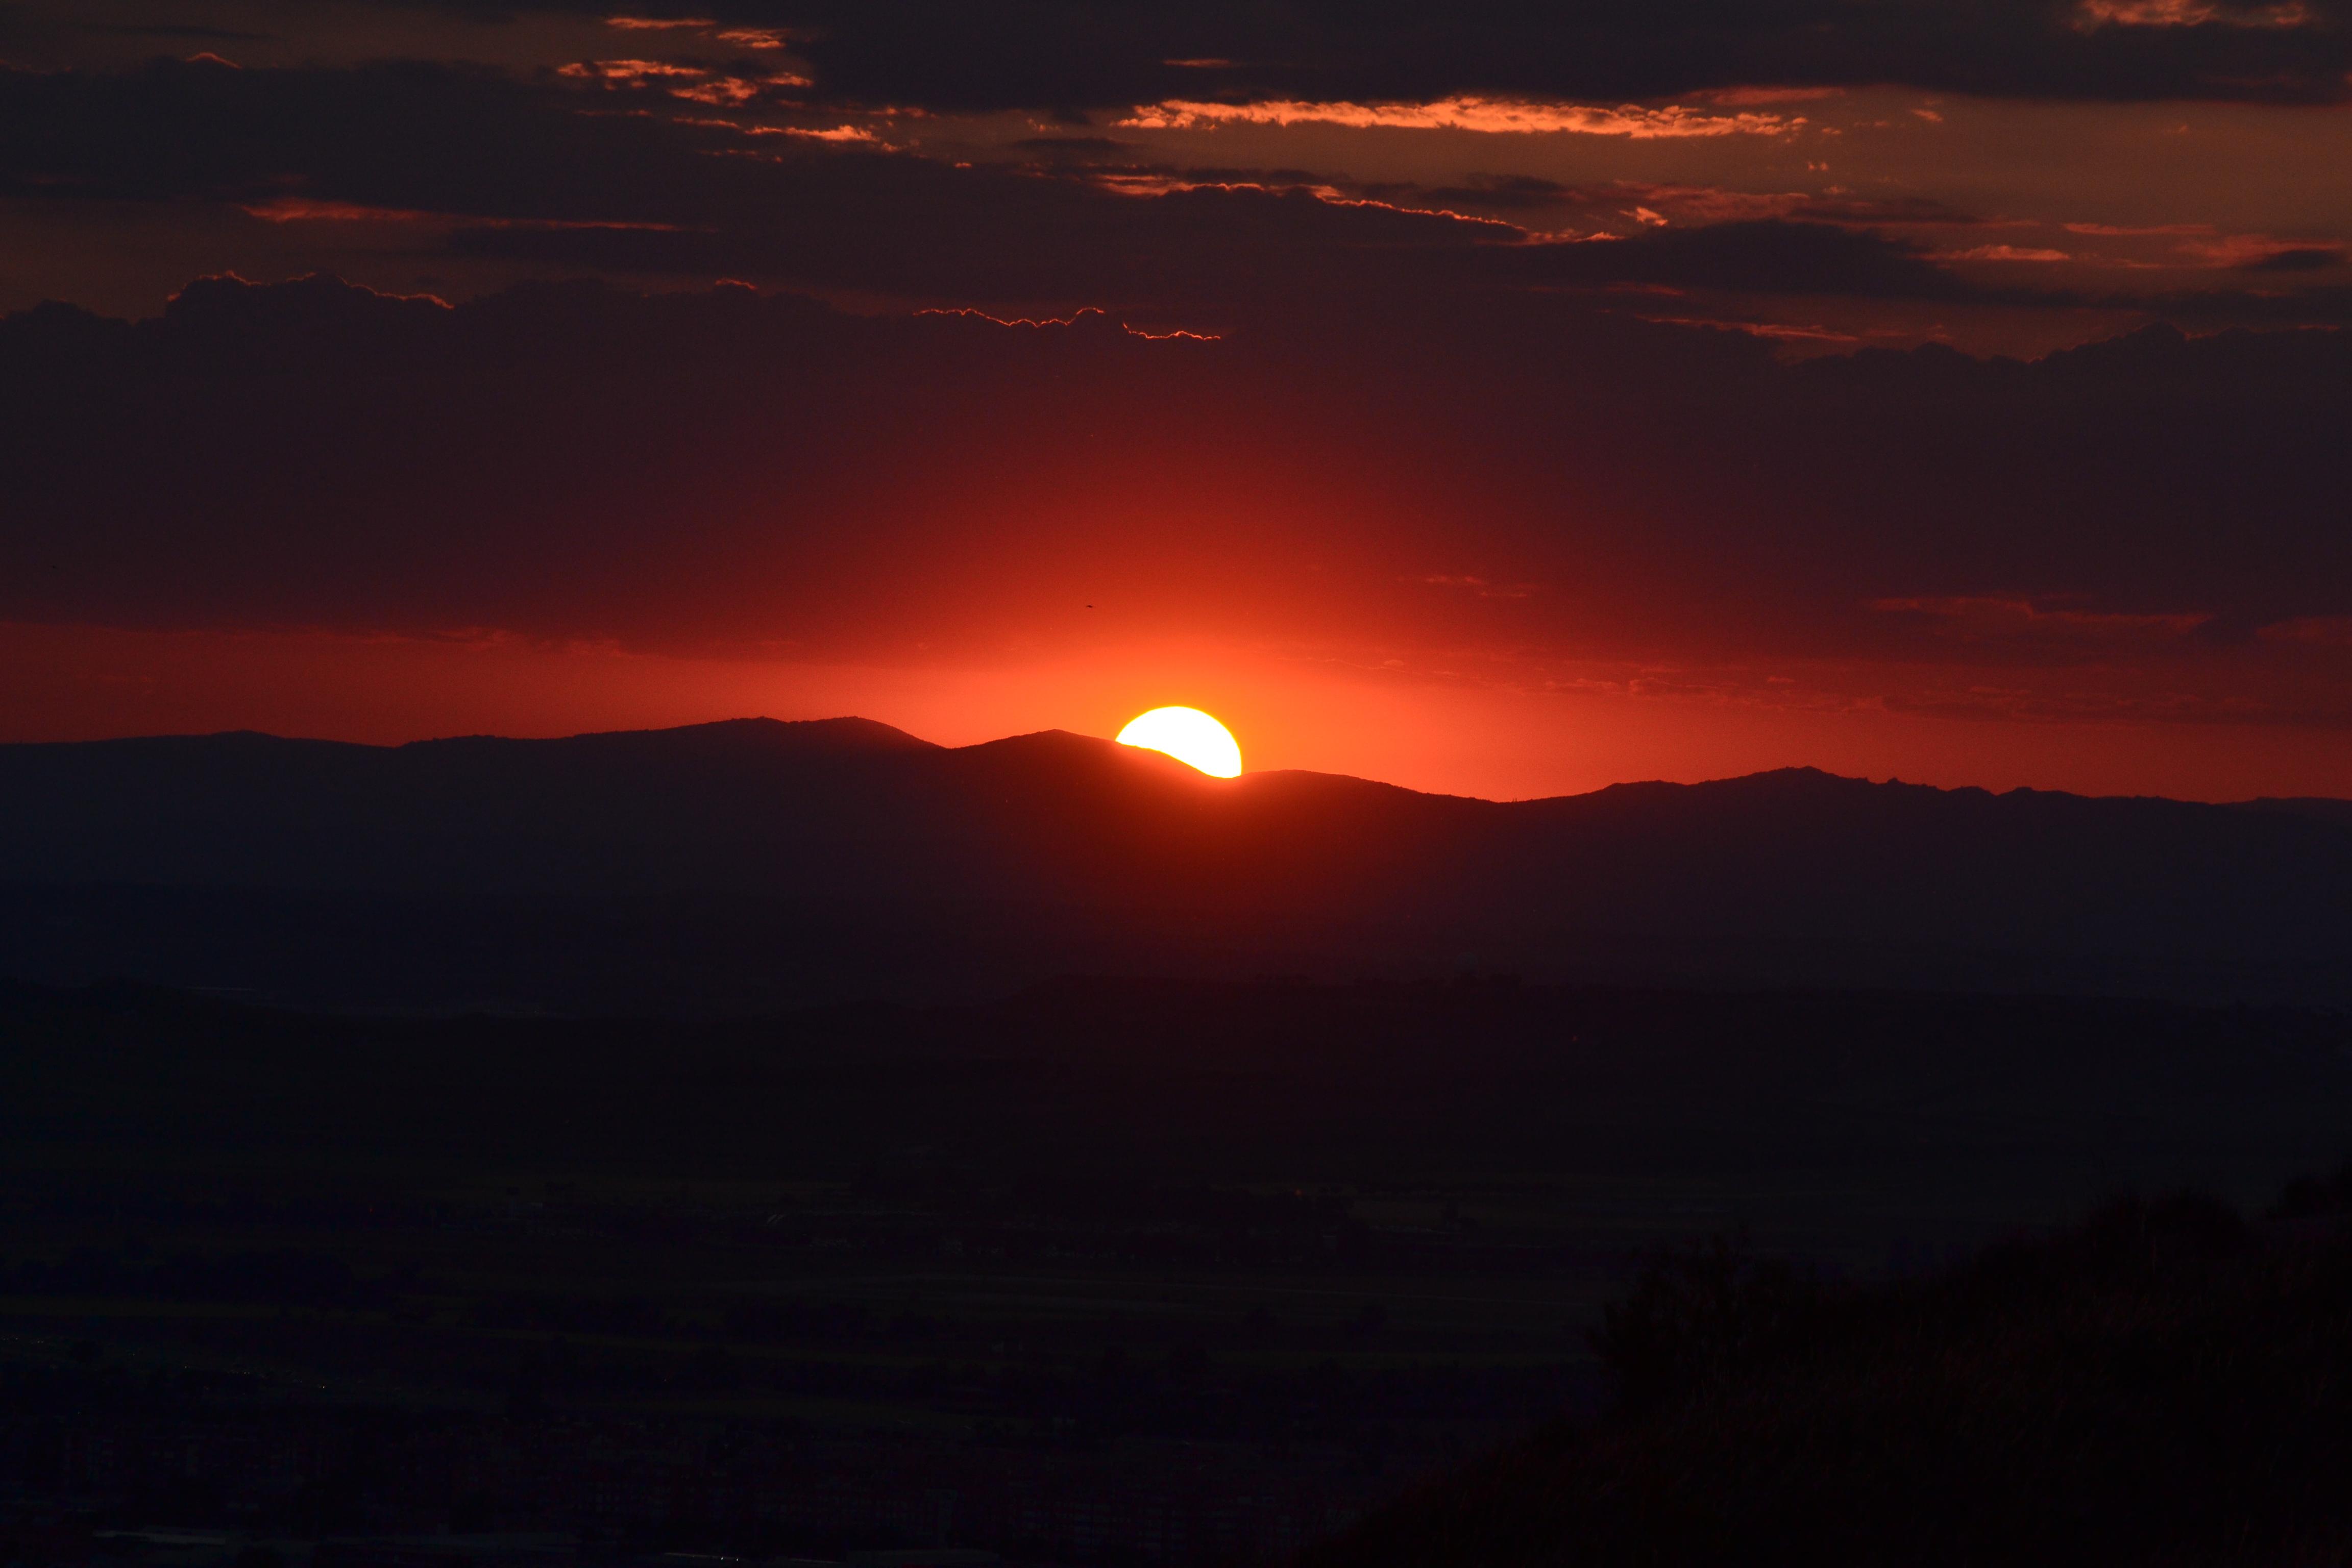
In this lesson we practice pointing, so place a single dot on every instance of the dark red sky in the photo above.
(1494, 397)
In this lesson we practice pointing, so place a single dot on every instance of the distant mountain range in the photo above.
(754, 863)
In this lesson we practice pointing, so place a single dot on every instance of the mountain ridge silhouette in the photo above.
(1097, 854)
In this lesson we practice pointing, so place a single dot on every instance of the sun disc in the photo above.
(1187, 735)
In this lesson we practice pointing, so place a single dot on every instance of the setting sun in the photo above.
(1187, 735)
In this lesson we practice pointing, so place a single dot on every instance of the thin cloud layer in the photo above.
(1768, 256)
(544, 173)
(1487, 116)
(1028, 54)
(1528, 488)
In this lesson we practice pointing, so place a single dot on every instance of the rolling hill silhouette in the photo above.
(748, 862)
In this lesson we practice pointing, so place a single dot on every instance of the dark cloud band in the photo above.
(724, 466)
(1031, 54)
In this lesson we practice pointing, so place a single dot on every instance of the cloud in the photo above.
(1535, 199)
(1035, 54)
(2257, 252)
(630, 70)
(1482, 115)
(549, 174)
(1078, 149)
(1989, 618)
(2299, 258)
(1041, 55)
(404, 136)
(725, 469)
(517, 169)
(2327, 307)
(2192, 13)
(1770, 256)
(2008, 253)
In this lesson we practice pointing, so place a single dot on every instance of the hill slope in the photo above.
(842, 855)
(2162, 1384)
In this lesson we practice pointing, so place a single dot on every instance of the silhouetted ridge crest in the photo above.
(721, 737)
(1054, 852)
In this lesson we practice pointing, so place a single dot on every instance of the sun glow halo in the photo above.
(1187, 735)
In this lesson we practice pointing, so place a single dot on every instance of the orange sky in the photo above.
(1495, 399)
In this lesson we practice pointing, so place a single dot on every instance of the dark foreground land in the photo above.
(1148, 1272)
(2164, 1383)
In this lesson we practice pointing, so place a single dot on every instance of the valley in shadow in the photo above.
(1108, 1271)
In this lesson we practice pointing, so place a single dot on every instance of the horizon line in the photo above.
(1891, 781)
